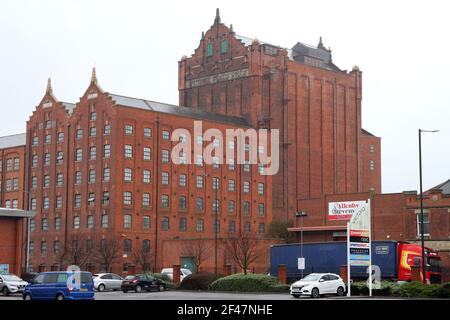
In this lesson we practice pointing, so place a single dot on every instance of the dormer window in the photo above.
(209, 50)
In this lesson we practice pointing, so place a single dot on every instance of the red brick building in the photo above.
(300, 91)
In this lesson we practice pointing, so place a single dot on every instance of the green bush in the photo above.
(360, 288)
(198, 281)
(421, 290)
(248, 283)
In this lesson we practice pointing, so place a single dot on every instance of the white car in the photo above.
(10, 283)
(316, 284)
(169, 272)
(107, 281)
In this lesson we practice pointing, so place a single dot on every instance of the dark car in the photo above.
(141, 282)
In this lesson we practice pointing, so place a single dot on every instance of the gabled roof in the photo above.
(176, 110)
(363, 131)
(69, 106)
(444, 187)
(14, 140)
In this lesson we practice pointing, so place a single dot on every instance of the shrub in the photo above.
(249, 283)
(360, 288)
(163, 277)
(198, 281)
(419, 289)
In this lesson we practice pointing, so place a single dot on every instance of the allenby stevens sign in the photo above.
(344, 210)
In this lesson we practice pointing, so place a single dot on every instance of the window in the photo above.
(146, 222)
(16, 164)
(34, 161)
(199, 204)
(261, 209)
(8, 185)
(57, 223)
(127, 221)
(216, 183)
(224, 46)
(215, 163)
(216, 205)
(33, 182)
(58, 202)
(78, 177)
(47, 159)
(128, 129)
(372, 148)
(60, 136)
(9, 165)
(77, 200)
(8, 204)
(127, 245)
(107, 129)
(372, 165)
(164, 201)
(260, 168)
(127, 174)
(35, 141)
(59, 179)
(146, 199)
(91, 176)
(182, 180)
(147, 153)
(147, 132)
(200, 225)
(16, 184)
(164, 178)
(146, 176)
(183, 224)
(199, 182)
(165, 135)
(105, 200)
(261, 189)
(90, 222)
(128, 151)
(426, 224)
(165, 156)
(93, 153)
(59, 157)
(261, 228)
(79, 154)
(209, 50)
(246, 186)
(76, 222)
(48, 139)
(216, 226)
(199, 139)
(165, 223)
(105, 221)
(246, 207)
(231, 206)
(199, 160)
(127, 198)
(46, 203)
(182, 203)
(106, 174)
(93, 132)
(246, 166)
(231, 185)
(106, 151)
(33, 203)
(91, 199)
(79, 133)
(43, 248)
(146, 245)
(15, 204)
(31, 247)
(232, 226)
(247, 227)
(93, 116)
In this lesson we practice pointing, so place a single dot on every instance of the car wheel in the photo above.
(124, 290)
(340, 291)
(101, 288)
(315, 293)
(27, 296)
(59, 297)
(161, 288)
(5, 291)
(138, 289)
(296, 296)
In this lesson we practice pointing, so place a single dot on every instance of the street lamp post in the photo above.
(422, 235)
(301, 214)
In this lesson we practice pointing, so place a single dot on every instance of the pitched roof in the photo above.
(444, 187)
(177, 110)
(363, 131)
(14, 140)
(69, 106)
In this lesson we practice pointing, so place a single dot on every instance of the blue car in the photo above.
(55, 286)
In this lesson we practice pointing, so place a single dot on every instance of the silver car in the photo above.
(10, 283)
(107, 281)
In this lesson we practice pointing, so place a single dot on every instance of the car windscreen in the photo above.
(434, 264)
(11, 277)
(130, 277)
(312, 277)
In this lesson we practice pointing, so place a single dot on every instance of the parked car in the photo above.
(169, 272)
(316, 284)
(142, 282)
(10, 283)
(54, 286)
(107, 281)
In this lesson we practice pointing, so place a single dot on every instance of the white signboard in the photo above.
(344, 210)
(301, 263)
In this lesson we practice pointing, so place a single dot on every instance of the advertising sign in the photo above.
(301, 263)
(343, 210)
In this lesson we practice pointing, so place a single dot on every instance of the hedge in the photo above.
(198, 281)
(249, 283)
(408, 289)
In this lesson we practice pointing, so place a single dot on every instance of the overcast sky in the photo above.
(402, 47)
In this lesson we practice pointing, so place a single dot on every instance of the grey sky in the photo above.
(402, 47)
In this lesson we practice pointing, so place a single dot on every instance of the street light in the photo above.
(422, 236)
(301, 214)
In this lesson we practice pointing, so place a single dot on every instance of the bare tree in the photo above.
(77, 252)
(198, 249)
(107, 252)
(243, 249)
(143, 257)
